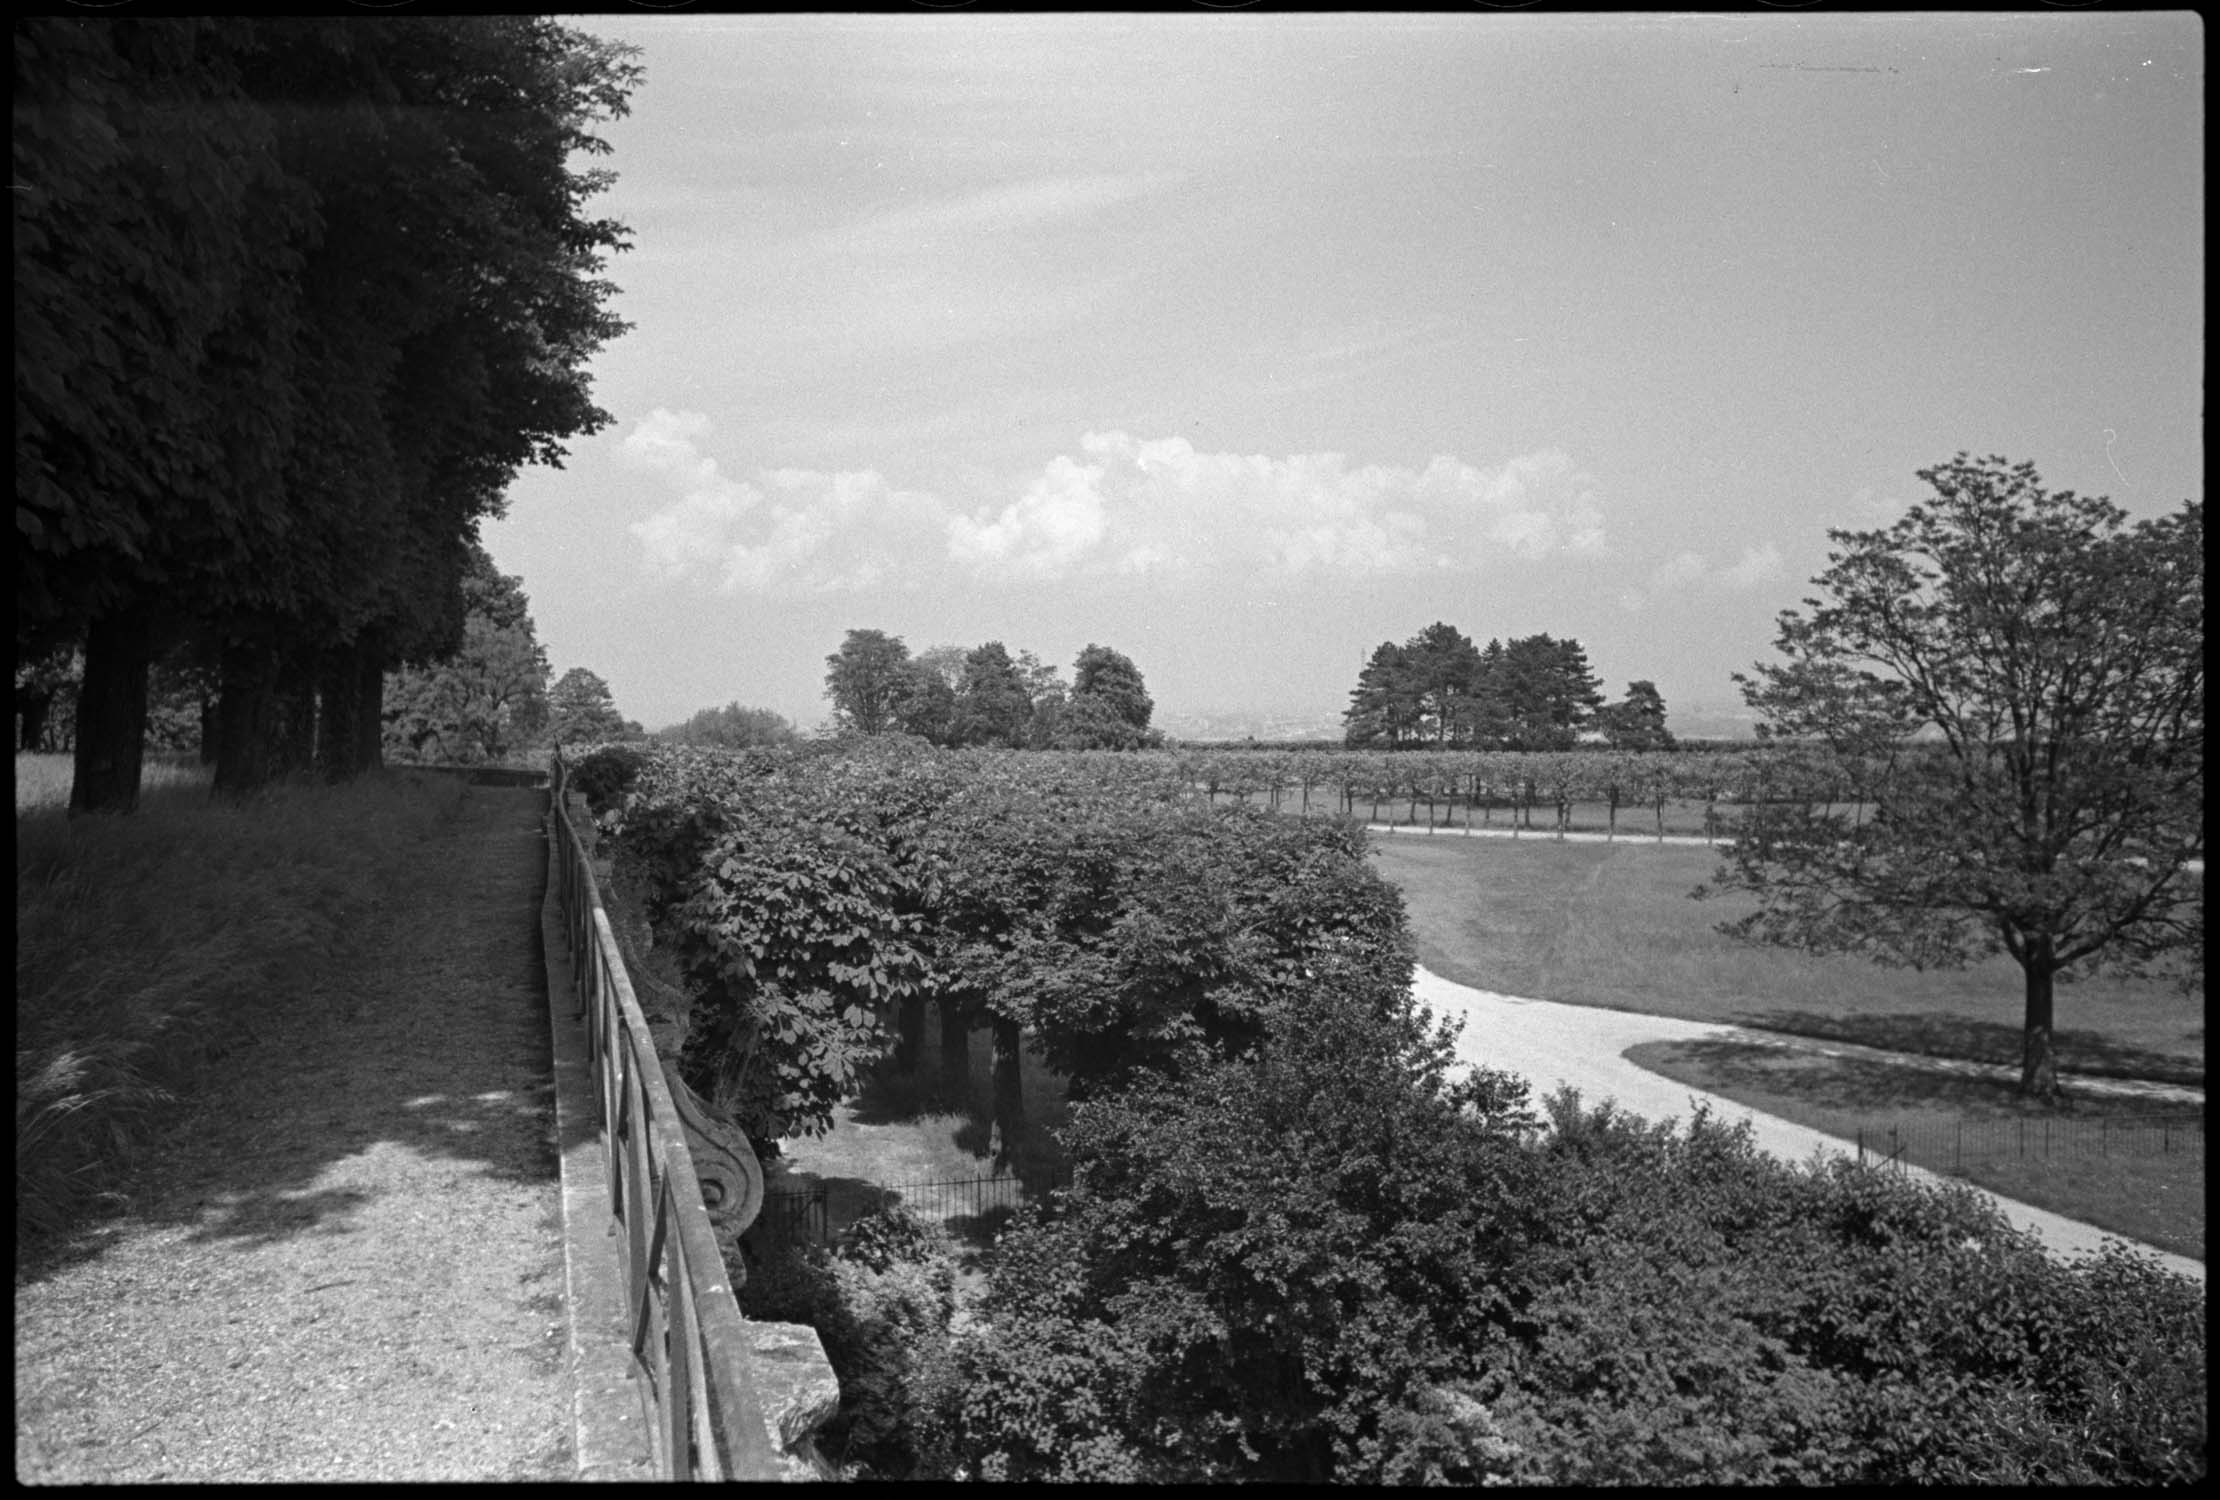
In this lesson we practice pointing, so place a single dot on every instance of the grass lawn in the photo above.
(2089, 1160)
(150, 946)
(1612, 925)
(43, 780)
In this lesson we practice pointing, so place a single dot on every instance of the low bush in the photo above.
(604, 774)
(882, 1300)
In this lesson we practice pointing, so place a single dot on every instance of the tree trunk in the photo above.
(2038, 1062)
(295, 725)
(369, 715)
(31, 705)
(909, 1032)
(111, 714)
(955, 1050)
(1009, 1093)
(209, 730)
(246, 719)
(337, 703)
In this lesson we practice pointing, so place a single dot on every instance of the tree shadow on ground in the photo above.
(1933, 1034)
(1863, 1086)
(422, 1039)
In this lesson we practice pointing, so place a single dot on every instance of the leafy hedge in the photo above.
(817, 899)
(1316, 1263)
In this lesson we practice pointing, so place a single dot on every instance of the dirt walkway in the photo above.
(1580, 1046)
(346, 1264)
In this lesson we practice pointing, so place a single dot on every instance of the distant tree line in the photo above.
(295, 300)
(732, 727)
(1439, 691)
(986, 698)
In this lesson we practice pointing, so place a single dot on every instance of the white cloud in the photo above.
(1121, 505)
(689, 534)
(1757, 567)
(1161, 506)
(1044, 533)
(790, 531)
(1677, 571)
(1870, 510)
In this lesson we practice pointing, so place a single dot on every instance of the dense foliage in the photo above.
(732, 727)
(295, 300)
(2017, 677)
(985, 698)
(1301, 1243)
(1320, 1262)
(486, 699)
(1439, 689)
(820, 898)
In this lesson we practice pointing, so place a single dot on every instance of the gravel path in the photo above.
(1553, 1045)
(346, 1264)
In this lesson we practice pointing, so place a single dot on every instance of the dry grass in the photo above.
(42, 781)
(146, 945)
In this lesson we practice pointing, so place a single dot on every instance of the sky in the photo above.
(1241, 343)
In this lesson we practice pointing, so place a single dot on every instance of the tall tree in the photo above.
(1383, 711)
(925, 703)
(1638, 721)
(1547, 692)
(1109, 706)
(581, 709)
(152, 227)
(227, 227)
(1111, 676)
(1487, 722)
(993, 707)
(2023, 669)
(1050, 694)
(866, 679)
(1444, 676)
(485, 698)
(732, 728)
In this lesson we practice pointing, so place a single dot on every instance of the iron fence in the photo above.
(805, 1214)
(688, 1336)
(1956, 1146)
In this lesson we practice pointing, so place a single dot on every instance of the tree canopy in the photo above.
(985, 697)
(295, 300)
(2025, 669)
(1439, 691)
(581, 710)
(1636, 722)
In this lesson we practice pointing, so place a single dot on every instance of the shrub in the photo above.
(882, 1300)
(603, 775)
(1275, 1267)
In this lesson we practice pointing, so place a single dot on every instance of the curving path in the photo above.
(1555, 1045)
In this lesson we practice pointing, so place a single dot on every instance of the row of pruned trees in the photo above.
(295, 300)
(1349, 781)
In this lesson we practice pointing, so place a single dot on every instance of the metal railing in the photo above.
(688, 1335)
(804, 1214)
(1958, 1145)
